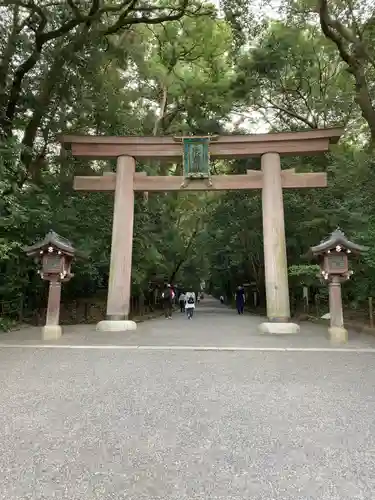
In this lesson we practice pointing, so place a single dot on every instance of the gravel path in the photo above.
(101, 424)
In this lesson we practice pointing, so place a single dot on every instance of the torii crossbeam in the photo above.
(252, 180)
(271, 179)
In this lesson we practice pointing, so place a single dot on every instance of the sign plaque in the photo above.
(52, 263)
(196, 157)
(337, 263)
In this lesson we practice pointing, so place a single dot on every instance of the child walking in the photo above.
(190, 305)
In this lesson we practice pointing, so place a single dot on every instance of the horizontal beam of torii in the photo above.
(167, 148)
(252, 180)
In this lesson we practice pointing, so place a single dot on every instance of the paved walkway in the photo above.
(162, 424)
(214, 325)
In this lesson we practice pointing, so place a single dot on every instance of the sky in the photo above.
(268, 8)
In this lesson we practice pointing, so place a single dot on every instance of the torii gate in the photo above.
(271, 179)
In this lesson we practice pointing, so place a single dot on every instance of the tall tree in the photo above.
(39, 44)
(294, 79)
(350, 25)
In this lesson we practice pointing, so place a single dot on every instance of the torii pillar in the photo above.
(119, 285)
(274, 244)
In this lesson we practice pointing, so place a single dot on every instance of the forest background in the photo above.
(172, 67)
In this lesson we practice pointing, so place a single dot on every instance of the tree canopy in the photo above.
(170, 67)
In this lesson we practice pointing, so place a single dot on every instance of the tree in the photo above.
(348, 25)
(111, 86)
(351, 27)
(41, 43)
(294, 79)
(176, 77)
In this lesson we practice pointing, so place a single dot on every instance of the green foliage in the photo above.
(297, 77)
(191, 74)
(304, 274)
(6, 324)
(115, 86)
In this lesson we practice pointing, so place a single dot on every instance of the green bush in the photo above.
(6, 324)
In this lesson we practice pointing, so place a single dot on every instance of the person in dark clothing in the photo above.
(168, 296)
(181, 300)
(240, 299)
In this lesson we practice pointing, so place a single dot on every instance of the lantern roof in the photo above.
(51, 239)
(337, 238)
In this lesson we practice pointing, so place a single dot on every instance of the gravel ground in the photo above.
(115, 424)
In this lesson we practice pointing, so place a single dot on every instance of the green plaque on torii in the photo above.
(196, 157)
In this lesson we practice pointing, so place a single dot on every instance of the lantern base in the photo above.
(51, 332)
(275, 328)
(338, 335)
(122, 325)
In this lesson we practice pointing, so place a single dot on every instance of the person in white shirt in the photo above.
(190, 304)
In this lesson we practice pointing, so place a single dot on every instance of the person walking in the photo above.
(174, 299)
(181, 300)
(190, 304)
(167, 297)
(240, 300)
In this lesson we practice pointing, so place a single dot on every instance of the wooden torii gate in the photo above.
(271, 179)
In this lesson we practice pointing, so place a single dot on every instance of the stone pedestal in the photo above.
(116, 325)
(118, 302)
(337, 335)
(275, 261)
(51, 332)
(274, 328)
(337, 332)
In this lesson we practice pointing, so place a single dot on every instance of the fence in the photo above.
(13, 309)
(82, 310)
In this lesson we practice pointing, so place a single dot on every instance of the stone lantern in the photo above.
(54, 255)
(333, 255)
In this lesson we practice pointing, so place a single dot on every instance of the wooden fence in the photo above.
(83, 310)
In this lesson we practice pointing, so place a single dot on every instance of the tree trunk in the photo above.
(354, 53)
(41, 108)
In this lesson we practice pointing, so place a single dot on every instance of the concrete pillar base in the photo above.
(338, 335)
(123, 325)
(278, 328)
(51, 332)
